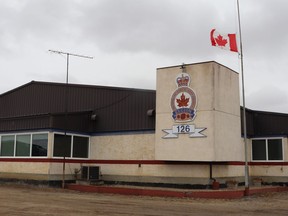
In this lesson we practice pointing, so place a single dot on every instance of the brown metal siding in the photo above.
(78, 122)
(270, 124)
(32, 99)
(265, 124)
(249, 122)
(117, 109)
(24, 123)
(36, 104)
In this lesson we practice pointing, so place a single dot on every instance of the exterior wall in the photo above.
(27, 170)
(217, 90)
(285, 148)
(56, 171)
(271, 171)
(161, 174)
(228, 143)
(140, 147)
(41, 171)
(185, 148)
(149, 158)
(37, 168)
(122, 147)
(15, 168)
(171, 174)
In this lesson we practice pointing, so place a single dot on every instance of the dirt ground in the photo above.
(31, 200)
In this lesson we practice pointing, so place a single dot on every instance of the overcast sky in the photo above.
(130, 39)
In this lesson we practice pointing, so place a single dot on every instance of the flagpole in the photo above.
(244, 108)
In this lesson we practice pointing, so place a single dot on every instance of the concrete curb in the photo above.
(169, 192)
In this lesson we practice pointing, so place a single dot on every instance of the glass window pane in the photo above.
(7, 145)
(62, 145)
(39, 145)
(275, 149)
(80, 147)
(23, 145)
(258, 149)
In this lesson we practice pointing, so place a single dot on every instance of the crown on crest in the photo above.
(183, 79)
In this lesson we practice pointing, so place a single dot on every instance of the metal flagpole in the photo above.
(66, 100)
(244, 107)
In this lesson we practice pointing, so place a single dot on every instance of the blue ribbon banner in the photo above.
(184, 129)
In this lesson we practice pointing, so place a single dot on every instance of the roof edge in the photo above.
(205, 62)
(75, 85)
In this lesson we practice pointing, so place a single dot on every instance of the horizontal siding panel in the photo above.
(117, 109)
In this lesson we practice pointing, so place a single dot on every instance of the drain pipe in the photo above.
(215, 184)
(211, 172)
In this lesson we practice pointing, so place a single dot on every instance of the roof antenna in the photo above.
(69, 54)
(67, 154)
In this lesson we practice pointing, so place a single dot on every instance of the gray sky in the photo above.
(129, 39)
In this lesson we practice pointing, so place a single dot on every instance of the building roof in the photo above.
(101, 109)
(116, 109)
(265, 124)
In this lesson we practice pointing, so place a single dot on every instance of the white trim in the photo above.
(15, 142)
(31, 144)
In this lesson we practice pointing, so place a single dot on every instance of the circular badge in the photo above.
(183, 100)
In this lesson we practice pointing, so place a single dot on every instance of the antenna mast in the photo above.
(68, 55)
(66, 101)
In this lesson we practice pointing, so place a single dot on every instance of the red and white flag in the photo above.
(224, 41)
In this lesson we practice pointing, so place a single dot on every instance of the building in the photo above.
(187, 132)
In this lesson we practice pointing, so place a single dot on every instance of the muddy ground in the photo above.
(31, 200)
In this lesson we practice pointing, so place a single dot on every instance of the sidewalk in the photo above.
(179, 193)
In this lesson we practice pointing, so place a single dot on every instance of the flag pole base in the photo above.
(246, 191)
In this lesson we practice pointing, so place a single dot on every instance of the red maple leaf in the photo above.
(220, 41)
(183, 101)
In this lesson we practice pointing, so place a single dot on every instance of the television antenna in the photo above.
(67, 57)
(66, 99)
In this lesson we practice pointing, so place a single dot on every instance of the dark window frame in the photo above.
(71, 153)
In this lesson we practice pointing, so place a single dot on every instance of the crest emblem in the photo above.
(183, 100)
(183, 104)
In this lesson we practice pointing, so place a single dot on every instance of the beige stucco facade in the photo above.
(123, 147)
(217, 90)
(218, 102)
(151, 156)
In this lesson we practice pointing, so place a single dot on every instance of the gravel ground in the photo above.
(30, 200)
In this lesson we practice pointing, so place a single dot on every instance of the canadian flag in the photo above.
(224, 41)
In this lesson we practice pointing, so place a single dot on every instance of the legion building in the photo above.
(187, 132)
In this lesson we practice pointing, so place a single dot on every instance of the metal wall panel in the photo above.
(265, 124)
(117, 109)
(36, 104)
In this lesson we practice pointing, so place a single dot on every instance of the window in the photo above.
(71, 146)
(7, 145)
(275, 149)
(24, 145)
(267, 149)
(39, 145)
(259, 149)
(62, 145)
(80, 147)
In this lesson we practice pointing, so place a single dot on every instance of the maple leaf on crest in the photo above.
(183, 101)
(220, 41)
